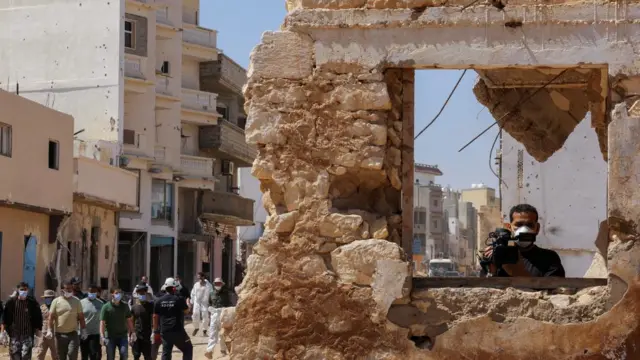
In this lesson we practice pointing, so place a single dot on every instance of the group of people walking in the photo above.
(82, 323)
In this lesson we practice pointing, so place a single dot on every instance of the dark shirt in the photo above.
(142, 317)
(170, 308)
(115, 319)
(221, 298)
(541, 262)
(22, 317)
(184, 293)
(79, 294)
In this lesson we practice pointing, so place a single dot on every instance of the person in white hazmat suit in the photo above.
(220, 298)
(200, 300)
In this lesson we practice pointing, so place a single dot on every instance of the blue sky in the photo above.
(240, 24)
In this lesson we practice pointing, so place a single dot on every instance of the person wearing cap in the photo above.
(90, 348)
(142, 311)
(168, 325)
(220, 298)
(22, 321)
(200, 295)
(44, 343)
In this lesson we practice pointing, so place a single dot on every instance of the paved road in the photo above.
(199, 347)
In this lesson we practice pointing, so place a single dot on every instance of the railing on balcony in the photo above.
(229, 139)
(162, 85)
(133, 68)
(162, 16)
(199, 100)
(196, 166)
(225, 72)
(229, 205)
(200, 36)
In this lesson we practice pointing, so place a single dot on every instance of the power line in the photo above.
(443, 105)
(522, 100)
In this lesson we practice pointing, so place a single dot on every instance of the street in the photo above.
(199, 347)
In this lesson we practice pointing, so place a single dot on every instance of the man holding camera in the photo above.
(533, 261)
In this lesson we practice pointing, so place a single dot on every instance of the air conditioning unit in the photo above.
(129, 137)
(227, 167)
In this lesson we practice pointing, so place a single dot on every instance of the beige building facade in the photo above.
(36, 188)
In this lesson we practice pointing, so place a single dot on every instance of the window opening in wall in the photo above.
(5, 139)
(129, 34)
(470, 206)
(165, 68)
(162, 200)
(54, 155)
(223, 111)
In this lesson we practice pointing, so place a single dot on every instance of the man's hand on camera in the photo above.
(517, 269)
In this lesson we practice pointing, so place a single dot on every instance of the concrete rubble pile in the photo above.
(330, 106)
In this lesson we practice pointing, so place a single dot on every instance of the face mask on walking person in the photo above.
(142, 297)
(92, 296)
(117, 297)
(48, 301)
(22, 294)
(67, 294)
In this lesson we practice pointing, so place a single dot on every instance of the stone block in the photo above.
(353, 97)
(388, 283)
(285, 54)
(337, 225)
(282, 223)
(357, 262)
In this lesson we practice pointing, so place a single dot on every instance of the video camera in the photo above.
(504, 252)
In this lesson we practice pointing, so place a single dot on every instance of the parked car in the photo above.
(452, 274)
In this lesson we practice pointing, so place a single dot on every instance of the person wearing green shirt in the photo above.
(91, 308)
(115, 324)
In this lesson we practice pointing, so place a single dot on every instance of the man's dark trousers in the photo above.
(141, 348)
(180, 340)
(91, 348)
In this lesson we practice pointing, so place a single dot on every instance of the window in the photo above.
(54, 155)
(161, 200)
(435, 224)
(129, 34)
(5, 140)
(435, 203)
(165, 67)
(223, 111)
(422, 217)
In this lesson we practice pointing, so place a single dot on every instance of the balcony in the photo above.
(134, 73)
(199, 43)
(223, 76)
(228, 139)
(196, 166)
(199, 107)
(90, 176)
(227, 208)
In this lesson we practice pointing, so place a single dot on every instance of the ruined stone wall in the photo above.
(330, 165)
(328, 102)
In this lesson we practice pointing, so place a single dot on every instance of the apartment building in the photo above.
(129, 72)
(428, 216)
(483, 199)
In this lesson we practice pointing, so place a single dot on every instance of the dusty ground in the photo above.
(199, 347)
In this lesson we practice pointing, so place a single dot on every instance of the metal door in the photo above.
(29, 268)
